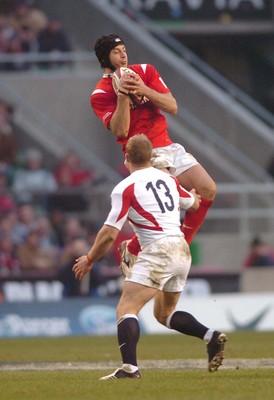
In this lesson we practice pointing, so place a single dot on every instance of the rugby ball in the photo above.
(117, 74)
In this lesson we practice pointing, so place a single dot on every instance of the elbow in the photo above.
(120, 132)
(174, 109)
(123, 134)
(171, 110)
(112, 237)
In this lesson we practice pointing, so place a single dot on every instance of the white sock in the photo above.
(130, 368)
(208, 336)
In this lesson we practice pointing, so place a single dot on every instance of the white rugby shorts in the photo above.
(163, 264)
(177, 155)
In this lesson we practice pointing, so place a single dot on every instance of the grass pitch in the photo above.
(172, 366)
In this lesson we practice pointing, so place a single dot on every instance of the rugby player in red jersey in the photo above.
(125, 119)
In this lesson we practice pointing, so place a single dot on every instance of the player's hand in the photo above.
(193, 191)
(133, 84)
(81, 267)
(124, 82)
(197, 202)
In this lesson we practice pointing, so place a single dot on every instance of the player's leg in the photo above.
(133, 298)
(191, 175)
(184, 322)
(197, 177)
(181, 321)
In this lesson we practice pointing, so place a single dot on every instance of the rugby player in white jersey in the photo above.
(150, 200)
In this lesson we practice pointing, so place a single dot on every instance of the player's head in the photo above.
(103, 47)
(139, 150)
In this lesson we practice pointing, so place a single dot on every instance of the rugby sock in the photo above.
(208, 336)
(194, 219)
(184, 322)
(128, 337)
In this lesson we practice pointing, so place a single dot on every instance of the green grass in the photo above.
(173, 385)
(226, 384)
(104, 348)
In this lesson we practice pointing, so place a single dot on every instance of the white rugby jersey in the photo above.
(150, 199)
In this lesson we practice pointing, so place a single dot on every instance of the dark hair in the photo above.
(103, 47)
(256, 242)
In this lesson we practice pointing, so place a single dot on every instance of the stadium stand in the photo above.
(237, 141)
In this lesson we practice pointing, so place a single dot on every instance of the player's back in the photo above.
(154, 205)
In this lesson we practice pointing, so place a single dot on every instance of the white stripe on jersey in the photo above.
(98, 91)
(144, 67)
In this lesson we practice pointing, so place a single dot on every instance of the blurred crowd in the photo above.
(43, 228)
(260, 254)
(39, 237)
(24, 28)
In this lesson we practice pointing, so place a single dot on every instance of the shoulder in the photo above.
(103, 86)
(122, 186)
(143, 68)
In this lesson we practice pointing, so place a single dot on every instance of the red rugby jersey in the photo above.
(145, 118)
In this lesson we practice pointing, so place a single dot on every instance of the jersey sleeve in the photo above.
(155, 81)
(102, 105)
(120, 204)
(186, 198)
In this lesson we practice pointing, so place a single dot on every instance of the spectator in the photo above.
(53, 39)
(9, 261)
(103, 279)
(48, 237)
(74, 250)
(260, 255)
(33, 257)
(18, 34)
(72, 173)
(33, 179)
(33, 18)
(7, 224)
(57, 220)
(15, 48)
(6, 33)
(25, 41)
(106, 279)
(25, 221)
(72, 229)
(8, 142)
(7, 202)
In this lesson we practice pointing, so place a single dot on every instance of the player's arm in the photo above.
(120, 120)
(196, 202)
(104, 240)
(115, 115)
(165, 101)
(189, 200)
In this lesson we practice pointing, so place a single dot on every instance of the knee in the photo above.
(161, 318)
(121, 311)
(208, 191)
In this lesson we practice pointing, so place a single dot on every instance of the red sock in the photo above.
(194, 219)
(134, 246)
